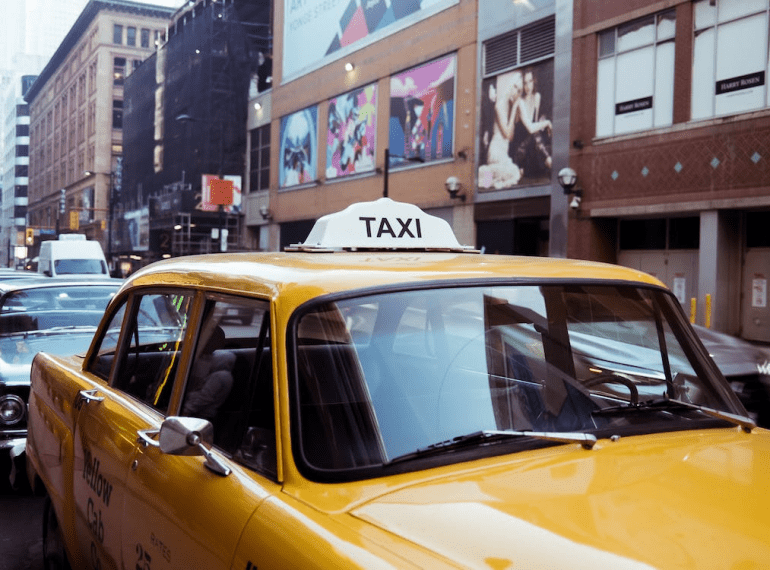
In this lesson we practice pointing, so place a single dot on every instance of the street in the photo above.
(21, 522)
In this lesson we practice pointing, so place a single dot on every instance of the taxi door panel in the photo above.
(102, 455)
(179, 514)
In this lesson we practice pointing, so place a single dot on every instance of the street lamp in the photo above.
(567, 180)
(111, 210)
(222, 233)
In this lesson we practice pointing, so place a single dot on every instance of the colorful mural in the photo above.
(516, 130)
(422, 112)
(299, 152)
(352, 128)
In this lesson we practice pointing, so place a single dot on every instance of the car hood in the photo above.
(734, 356)
(681, 500)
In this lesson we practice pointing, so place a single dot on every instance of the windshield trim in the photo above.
(319, 474)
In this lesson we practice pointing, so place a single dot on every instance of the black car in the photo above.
(54, 315)
(746, 367)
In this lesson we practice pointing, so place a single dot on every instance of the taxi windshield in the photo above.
(382, 376)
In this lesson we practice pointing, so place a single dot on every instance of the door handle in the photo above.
(144, 437)
(90, 396)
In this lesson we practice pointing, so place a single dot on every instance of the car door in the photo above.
(108, 418)
(179, 513)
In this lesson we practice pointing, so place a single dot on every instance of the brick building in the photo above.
(420, 81)
(671, 142)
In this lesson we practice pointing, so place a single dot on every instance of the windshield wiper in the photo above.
(667, 404)
(586, 440)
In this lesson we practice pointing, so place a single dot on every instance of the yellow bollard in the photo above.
(693, 309)
(708, 311)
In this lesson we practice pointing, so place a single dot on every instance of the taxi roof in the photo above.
(272, 274)
(368, 244)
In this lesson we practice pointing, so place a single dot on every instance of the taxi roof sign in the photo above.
(382, 224)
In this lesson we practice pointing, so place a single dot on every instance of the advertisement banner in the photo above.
(352, 128)
(422, 112)
(211, 195)
(318, 31)
(299, 148)
(516, 130)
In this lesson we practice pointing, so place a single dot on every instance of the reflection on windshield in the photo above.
(47, 308)
(382, 376)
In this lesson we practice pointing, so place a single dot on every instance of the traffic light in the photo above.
(29, 236)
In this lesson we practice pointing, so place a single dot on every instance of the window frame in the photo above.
(608, 111)
(703, 86)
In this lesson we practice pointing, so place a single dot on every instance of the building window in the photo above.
(117, 34)
(145, 37)
(730, 57)
(659, 233)
(119, 71)
(117, 114)
(131, 36)
(635, 75)
(259, 177)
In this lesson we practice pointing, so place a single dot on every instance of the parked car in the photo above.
(41, 313)
(397, 401)
(746, 367)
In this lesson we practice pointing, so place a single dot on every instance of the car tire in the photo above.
(54, 554)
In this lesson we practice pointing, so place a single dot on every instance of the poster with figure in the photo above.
(422, 112)
(350, 137)
(516, 130)
(316, 32)
(299, 152)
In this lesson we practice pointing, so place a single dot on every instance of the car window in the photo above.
(231, 381)
(107, 344)
(78, 266)
(155, 331)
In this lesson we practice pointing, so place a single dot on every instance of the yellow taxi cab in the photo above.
(394, 400)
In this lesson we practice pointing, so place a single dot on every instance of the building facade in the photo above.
(185, 134)
(671, 142)
(76, 116)
(15, 170)
(437, 87)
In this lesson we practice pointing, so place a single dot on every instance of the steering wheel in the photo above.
(616, 378)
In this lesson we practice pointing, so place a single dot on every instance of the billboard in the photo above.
(422, 112)
(316, 32)
(350, 137)
(516, 130)
(299, 148)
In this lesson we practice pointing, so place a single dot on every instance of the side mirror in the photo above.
(187, 436)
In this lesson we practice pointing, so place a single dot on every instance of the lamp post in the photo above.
(223, 232)
(111, 207)
(387, 168)
(62, 206)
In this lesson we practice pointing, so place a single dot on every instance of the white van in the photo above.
(71, 254)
